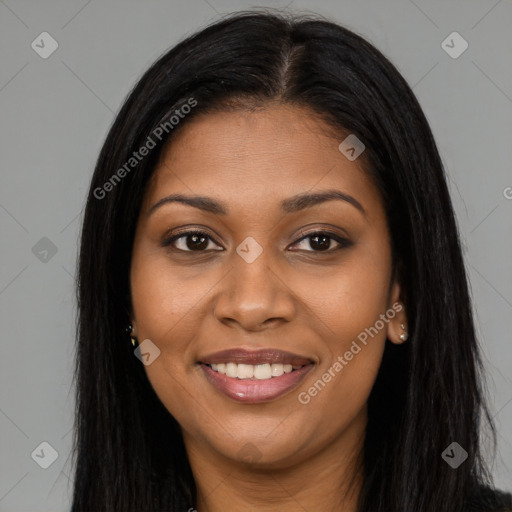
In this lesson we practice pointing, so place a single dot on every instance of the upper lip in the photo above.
(260, 356)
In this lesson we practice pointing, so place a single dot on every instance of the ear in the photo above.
(130, 313)
(397, 331)
(132, 322)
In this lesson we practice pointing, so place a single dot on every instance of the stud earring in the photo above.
(404, 335)
(129, 331)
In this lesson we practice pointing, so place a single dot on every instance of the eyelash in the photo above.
(343, 242)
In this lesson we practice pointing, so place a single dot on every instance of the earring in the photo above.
(129, 331)
(404, 335)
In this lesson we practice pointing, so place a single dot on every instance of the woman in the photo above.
(273, 306)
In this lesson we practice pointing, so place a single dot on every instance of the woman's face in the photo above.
(253, 283)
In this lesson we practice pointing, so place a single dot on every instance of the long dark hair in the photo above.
(128, 449)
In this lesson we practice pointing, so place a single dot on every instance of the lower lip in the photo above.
(254, 390)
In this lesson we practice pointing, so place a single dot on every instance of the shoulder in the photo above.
(489, 500)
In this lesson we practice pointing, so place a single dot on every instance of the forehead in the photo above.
(256, 157)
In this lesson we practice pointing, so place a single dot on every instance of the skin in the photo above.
(293, 297)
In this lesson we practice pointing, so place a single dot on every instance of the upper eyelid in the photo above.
(304, 234)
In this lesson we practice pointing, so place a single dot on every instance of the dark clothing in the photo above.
(487, 500)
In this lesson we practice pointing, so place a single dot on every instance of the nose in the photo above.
(253, 296)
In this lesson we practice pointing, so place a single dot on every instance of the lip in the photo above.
(260, 356)
(253, 391)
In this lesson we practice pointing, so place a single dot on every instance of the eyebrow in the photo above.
(290, 205)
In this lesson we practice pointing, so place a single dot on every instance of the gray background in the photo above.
(55, 113)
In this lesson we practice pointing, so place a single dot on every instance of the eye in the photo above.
(199, 241)
(194, 241)
(320, 241)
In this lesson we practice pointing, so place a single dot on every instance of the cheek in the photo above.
(163, 299)
(347, 298)
(353, 345)
(348, 307)
(166, 307)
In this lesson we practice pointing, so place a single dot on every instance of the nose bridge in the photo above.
(252, 292)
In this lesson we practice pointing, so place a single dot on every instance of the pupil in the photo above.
(323, 245)
(194, 245)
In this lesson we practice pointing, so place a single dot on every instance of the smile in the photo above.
(255, 376)
(254, 371)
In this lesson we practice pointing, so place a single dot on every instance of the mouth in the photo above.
(255, 376)
(254, 371)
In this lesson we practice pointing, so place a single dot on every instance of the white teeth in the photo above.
(245, 371)
(231, 369)
(262, 371)
(253, 371)
(277, 370)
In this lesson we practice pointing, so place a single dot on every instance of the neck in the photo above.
(328, 480)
